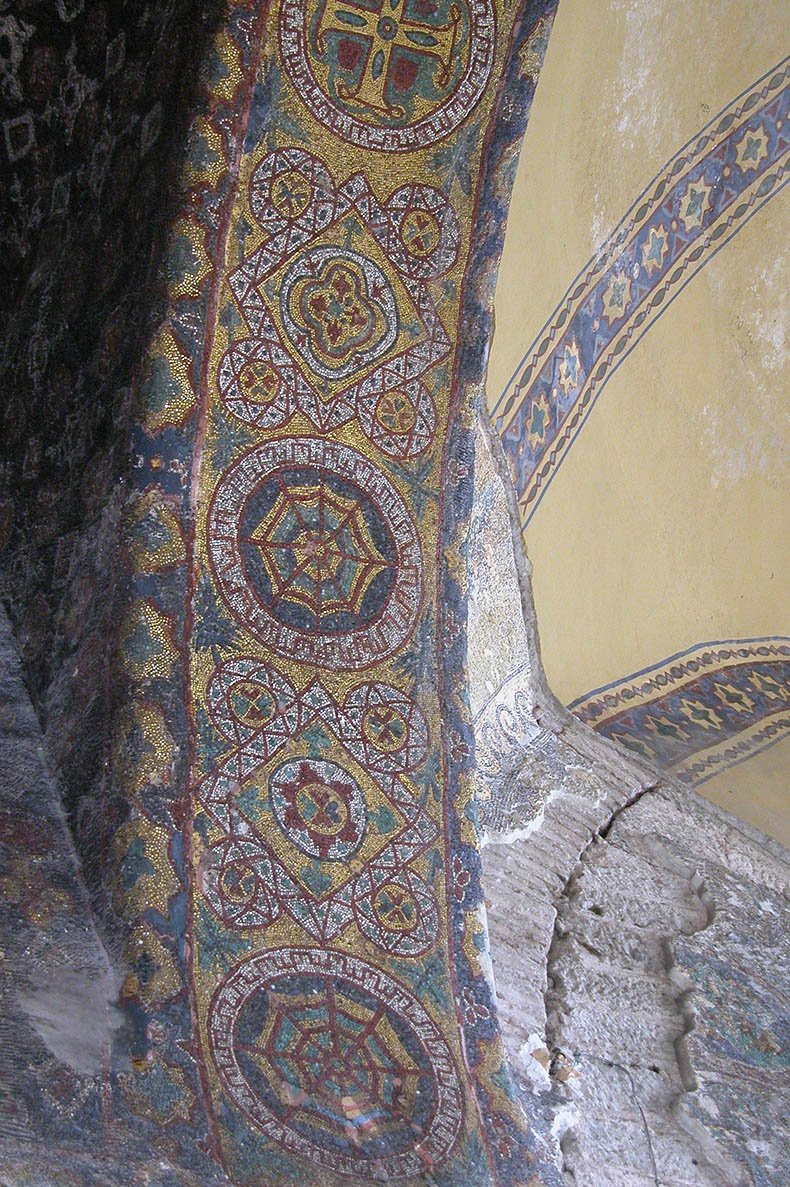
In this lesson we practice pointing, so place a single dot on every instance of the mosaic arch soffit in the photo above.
(700, 199)
(701, 711)
(298, 881)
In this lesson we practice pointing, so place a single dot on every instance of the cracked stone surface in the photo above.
(56, 983)
(630, 922)
(659, 995)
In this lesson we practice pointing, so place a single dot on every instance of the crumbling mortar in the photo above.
(685, 995)
(557, 1009)
(621, 1067)
(554, 1010)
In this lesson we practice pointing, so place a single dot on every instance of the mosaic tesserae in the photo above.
(307, 876)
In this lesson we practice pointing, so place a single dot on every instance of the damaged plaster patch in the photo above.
(746, 440)
(594, 1025)
(772, 320)
(747, 433)
(656, 984)
(484, 953)
(634, 108)
(534, 1059)
(564, 1119)
(490, 836)
(73, 1015)
(56, 978)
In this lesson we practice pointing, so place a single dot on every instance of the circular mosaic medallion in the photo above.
(420, 233)
(392, 730)
(291, 195)
(259, 382)
(335, 1061)
(319, 807)
(385, 728)
(400, 420)
(338, 310)
(291, 192)
(398, 914)
(314, 552)
(393, 79)
(423, 234)
(244, 695)
(395, 412)
(239, 884)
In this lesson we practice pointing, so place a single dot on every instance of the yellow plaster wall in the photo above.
(625, 83)
(757, 790)
(668, 522)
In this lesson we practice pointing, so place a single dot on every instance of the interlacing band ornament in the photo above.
(392, 76)
(702, 710)
(311, 994)
(700, 199)
(334, 1060)
(292, 806)
(337, 300)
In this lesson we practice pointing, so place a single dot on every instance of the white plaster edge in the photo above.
(535, 1069)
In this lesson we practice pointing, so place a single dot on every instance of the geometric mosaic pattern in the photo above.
(356, 1054)
(315, 553)
(393, 78)
(311, 812)
(701, 711)
(298, 874)
(699, 200)
(330, 335)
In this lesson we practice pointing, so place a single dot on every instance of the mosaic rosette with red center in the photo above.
(320, 807)
(338, 308)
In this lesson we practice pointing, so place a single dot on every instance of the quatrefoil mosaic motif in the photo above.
(338, 303)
